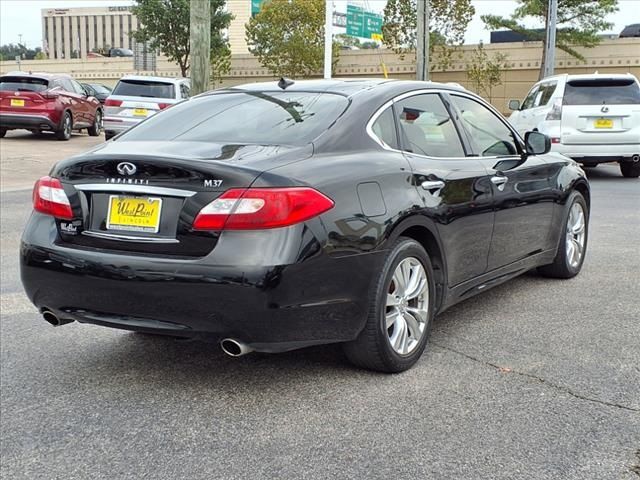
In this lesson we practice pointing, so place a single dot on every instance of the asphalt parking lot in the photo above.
(535, 379)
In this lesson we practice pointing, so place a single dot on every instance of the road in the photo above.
(535, 379)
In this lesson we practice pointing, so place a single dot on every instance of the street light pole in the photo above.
(328, 38)
(550, 50)
(422, 47)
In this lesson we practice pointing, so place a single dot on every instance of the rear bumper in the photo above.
(272, 308)
(597, 153)
(119, 124)
(27, 121)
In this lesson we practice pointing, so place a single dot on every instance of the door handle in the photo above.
(432, 185)
(499, 181)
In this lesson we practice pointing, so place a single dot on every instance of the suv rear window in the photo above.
(23, 83)
(259, 118)
(144, 88)
(598, 91)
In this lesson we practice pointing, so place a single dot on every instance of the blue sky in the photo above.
(23, 16)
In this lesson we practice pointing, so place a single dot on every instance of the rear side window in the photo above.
(245, 118)
(23, 83)
(546, 90)
(602, 91)
(144, 88)
(385, 129)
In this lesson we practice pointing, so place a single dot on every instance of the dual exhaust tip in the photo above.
(635, 158)
(230, 346)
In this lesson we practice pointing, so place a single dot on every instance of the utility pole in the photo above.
(422, 48)
(328, 38)
(200, 45)
(550, 38)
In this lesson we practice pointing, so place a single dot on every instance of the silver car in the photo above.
(137, 97)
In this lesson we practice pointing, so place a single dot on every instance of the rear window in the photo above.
(23, 83)
(144, 88)
(602, 91)
(264, 118)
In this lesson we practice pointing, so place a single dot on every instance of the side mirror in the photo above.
(537, 143)
(514, 104)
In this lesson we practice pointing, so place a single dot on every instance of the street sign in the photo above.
(256, 5)
(363, 24)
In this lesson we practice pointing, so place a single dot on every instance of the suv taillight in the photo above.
(49, 198)
(556, 110)
(162, 106)
(260, 208)
(112, 103)
(49, 95)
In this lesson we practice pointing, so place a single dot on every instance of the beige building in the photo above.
(74, 32)
(242, 11)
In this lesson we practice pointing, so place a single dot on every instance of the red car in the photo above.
(42, 102)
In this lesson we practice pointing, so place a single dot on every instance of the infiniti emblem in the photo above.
(604, 109)
(126, 168)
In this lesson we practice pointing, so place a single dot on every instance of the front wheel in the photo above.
(630, 169)
(95, 129)
(573, 240)
(64, 133)
(401, 309)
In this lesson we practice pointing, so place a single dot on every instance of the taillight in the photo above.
(49, 95)
(556, 110)
(112, 103)
(49, 198)
(162, 106)
(260, 208)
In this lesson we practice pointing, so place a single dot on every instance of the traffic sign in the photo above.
(363, 24)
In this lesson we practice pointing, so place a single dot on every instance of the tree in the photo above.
(485, 71)
(11, 51)
(287, 36)
(448, 21)
(349, 41)
(165, 24)
(578, 23)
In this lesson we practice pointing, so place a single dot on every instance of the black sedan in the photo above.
(271, 217)
(101, 92)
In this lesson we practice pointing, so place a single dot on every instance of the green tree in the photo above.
(485, 71)
(11, 51)
(578, 23)
(165, 24)
(287, 36)
(448, 21)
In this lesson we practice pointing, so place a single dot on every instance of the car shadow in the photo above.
(24, 135)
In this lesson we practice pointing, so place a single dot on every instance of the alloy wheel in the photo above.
(576, 232)
(407, 306)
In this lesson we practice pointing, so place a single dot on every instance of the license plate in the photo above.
(136, 214)
(603, 123)
(16, 102)
(140, 112)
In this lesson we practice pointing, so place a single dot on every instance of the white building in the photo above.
(73, 32)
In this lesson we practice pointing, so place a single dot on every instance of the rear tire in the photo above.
(630, 169)
(64, 133)
(3, 132)
(95, 129)
(573, 240)
(399, 319)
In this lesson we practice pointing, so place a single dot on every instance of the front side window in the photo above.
(491, 137)
(385, 129)
(245, 117)
(546, 91)
(427, 127)
(530, 98)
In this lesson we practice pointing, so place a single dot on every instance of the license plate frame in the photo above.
(141, 227)
(603, 123)
(140, 112)
(17, 102)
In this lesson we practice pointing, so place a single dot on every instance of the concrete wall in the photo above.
(612, 56)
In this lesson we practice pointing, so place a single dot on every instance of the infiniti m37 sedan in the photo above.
(276, 216)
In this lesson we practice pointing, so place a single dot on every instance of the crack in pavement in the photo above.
(538, 379)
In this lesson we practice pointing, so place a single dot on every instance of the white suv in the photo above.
(137, 97)
(591, 118)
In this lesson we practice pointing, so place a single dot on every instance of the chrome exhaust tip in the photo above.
(635, 158)
(234, 348)
(53, 319)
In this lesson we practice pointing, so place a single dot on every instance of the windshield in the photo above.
(23, 83)
(265, 118)
(100, 88)
(144, 88)
(602, 91)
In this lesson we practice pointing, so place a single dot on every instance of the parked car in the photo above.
(101, 92)
(43, 102)
(120, 52)
(591, 118)
(136, 97)
(278, 216)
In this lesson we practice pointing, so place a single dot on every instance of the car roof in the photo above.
(41, 75)
(154, 79)
(587, 76)
(349, 87)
